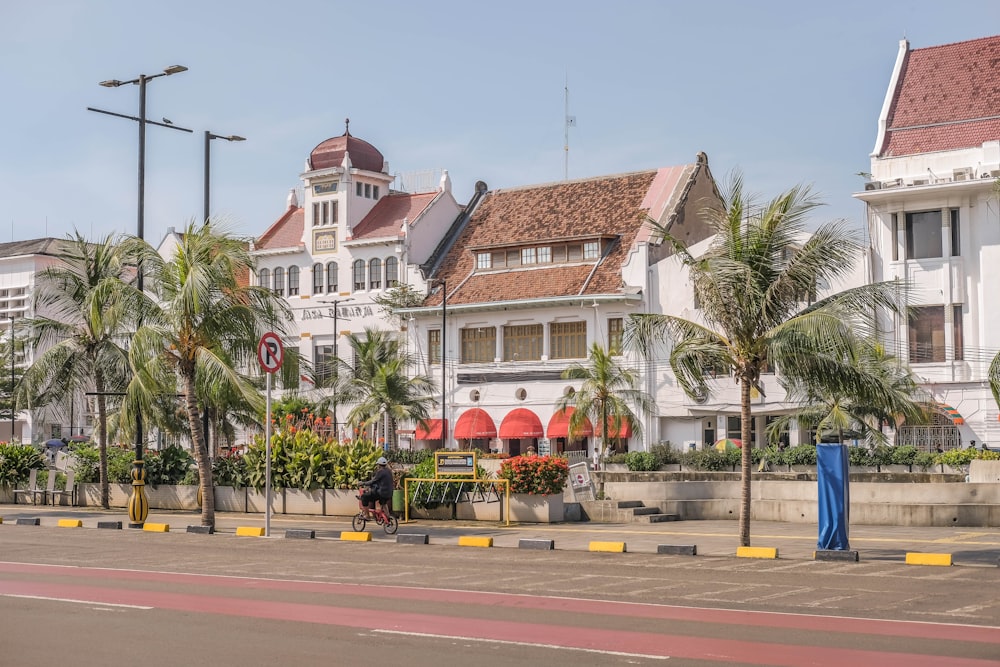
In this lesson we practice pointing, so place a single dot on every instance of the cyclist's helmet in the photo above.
(382, 461)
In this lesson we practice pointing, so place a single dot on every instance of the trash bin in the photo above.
(397, 500)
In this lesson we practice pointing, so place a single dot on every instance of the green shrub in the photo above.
(904, 455)
(87, 465)
(17, 462)
(409, 456)
(665, 454)
(801, 455)
(301, 459)
(168, 466)
(924, 460)
(229, 471)
(615, 458)
(706, 459)
(642, 461)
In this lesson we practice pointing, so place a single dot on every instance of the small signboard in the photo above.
(544, 447)
(455, 463)
(579, 481)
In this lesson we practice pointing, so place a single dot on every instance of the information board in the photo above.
(455, 463)
(579, 481)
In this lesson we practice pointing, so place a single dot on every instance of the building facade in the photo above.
(933, 211)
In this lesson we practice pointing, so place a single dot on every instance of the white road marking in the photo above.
(93, 602)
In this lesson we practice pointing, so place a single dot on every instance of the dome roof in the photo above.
(330, 153)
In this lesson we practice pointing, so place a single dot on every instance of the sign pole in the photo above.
(267, 464)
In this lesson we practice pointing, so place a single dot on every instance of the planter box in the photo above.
(230, 499)
(256, 501)
(482, 511)
(89, 495)
(341, 502)
(300, 501)
(172, 497)
(440, 513)
(527, 508)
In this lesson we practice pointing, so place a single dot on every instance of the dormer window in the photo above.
(512, 256)
(484, 260)
(591, 250)
(528, 256)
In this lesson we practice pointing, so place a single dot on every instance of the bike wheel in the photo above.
(391, 525)
(358, 523)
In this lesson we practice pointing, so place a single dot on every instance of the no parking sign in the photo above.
(270, 352)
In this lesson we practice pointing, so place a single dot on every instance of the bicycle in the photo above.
(380, 515)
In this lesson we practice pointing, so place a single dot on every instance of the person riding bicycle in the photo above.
(379, 487)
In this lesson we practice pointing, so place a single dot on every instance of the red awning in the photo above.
(475, 423)
(521, 423)
(559, 425)
(625, 430)
(431, 432)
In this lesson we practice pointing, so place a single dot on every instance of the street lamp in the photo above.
(336, 359)
(208, 142)
(138, 506)
(444, 364)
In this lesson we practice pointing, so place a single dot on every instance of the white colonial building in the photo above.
(934, 219)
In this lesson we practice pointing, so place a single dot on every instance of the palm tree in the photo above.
(379, 386)
(206, 330)
(85, 308)
(994, 379)
(870, 390)
(609, 395)
(752, 284)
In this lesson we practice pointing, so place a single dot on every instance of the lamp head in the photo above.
(111, 83)
(174, 69)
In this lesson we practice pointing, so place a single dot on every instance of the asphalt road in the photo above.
(98, 597)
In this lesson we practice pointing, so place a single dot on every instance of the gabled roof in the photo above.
(610, 206)
(286, 232)
(46, 246)
(386, 217)
(947, 98)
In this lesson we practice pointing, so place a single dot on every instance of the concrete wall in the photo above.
(934, 500)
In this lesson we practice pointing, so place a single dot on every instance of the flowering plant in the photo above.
(539, 475)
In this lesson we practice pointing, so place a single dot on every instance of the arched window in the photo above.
(359, 275)
(293, 281)
(264, 278)
(391, 272)
(279, 281)
(375, 274)
(317, 278)
(332, 271)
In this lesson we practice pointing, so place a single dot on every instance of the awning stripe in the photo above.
(953, 414)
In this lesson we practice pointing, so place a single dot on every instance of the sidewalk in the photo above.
(795, 541)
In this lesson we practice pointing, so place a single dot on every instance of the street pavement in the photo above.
(968, 546)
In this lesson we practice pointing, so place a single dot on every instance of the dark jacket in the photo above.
(381, 483)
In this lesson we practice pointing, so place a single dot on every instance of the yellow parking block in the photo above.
(613, 547)
(249, 531)
(355, 537)
(70, 523)
(917, 558)
(473, 541)
(156, 527)
(756, 552)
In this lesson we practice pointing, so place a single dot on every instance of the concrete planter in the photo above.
(230, 499)
(479, 511)
(300, 501)
(440, 513)
(256, 501)
(89, 495)
(172, 497)
(341, 502)
(528, 508)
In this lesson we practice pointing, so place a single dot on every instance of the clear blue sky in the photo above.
(788, 92)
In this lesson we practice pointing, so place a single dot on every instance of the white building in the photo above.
(934, 220)
(351, 238)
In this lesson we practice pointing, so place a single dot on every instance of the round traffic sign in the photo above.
(270, 352)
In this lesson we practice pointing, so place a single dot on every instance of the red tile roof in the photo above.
(386, 217)
(947, 98)
(609, 206)
(286, 232)
(330, 153)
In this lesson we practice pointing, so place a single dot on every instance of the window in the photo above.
(956, 332)
(528, 256)
(923, 235)
(568, 340)
(324, 361)
(368, 190)
(331, 277)
(374, 192)
(544, 255)
(956, 238)
(926, 334)
(264, 278)
(522, 342)
(616, 327)
(279, 281)
(293, 281)
(391, 272)
(479, 345)
(317, 278)
(591, 250)
(316, 214)
(434, 346)
(359, 275)
(375, 274)
(359, 189)
(484, 260)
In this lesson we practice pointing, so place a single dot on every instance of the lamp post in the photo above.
(208, 152)
(138, 505)
(336, 359)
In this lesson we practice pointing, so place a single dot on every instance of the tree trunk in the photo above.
(200, 451)
(102, 439)
(745, 459)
